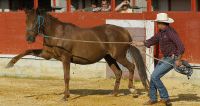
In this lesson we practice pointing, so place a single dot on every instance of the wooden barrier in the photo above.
(12, 28)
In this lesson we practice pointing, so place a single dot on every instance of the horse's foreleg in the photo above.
(34, 52)
(117, 71)
(66, 67)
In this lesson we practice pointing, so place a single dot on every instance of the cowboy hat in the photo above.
(163, 17)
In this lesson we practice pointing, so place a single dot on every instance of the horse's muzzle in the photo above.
(30, 39)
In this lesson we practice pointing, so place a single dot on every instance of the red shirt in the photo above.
(169, 42)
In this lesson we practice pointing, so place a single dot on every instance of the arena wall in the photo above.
(12, 28)
(12, 34)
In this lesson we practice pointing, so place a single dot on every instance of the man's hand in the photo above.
(137, 43)
(125, 2)
(178, 63)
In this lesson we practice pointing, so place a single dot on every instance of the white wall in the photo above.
(60, 4)
(34, 68)
(142, 4)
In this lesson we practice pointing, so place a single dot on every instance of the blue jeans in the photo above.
(155, 83)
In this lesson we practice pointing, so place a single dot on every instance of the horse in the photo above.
(61, 43)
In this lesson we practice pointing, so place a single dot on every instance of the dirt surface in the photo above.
(90, 92)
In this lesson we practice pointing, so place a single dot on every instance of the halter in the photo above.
(39, 21)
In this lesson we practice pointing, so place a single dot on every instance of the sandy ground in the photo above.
(90, 92)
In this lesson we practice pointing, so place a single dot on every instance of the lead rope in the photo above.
(86, 41)
(40, 20)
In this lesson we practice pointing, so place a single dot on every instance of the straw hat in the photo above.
(163, 17)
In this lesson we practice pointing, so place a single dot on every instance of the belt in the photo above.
(171, 56)
(168, 55)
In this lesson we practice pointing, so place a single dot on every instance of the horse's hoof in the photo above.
(67, 96)
(9, 65)
(135, 95)
(114, 94)
(132, 90)
(64, 99)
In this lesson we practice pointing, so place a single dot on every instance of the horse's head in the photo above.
(34, 23)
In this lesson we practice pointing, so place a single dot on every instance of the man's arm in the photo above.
(120, 6)
(152, 41)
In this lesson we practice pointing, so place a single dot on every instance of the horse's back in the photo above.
(113, 33)
(87, 53)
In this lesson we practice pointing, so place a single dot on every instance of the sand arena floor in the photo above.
(90, 92)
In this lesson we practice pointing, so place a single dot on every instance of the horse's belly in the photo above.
(84, 61)
(86, 53)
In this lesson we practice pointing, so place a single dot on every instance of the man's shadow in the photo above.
(186, 97)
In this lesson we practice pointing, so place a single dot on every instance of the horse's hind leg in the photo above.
(131, 67)
(34, 52)
(117, 71)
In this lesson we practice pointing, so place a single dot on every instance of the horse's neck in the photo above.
(52, 24)
(55, 28)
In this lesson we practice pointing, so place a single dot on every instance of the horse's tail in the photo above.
(135, 53)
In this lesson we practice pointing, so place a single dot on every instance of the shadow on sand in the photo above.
(87, 92)
(186, 97)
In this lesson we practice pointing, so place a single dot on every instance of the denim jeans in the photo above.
(155, 83)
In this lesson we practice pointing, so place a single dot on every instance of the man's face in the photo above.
(161, 25)
(104, 4)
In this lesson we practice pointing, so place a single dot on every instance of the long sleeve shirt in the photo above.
(169, 41)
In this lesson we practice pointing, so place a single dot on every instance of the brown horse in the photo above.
(83, 53)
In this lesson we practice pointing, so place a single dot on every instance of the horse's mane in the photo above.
(52, 18)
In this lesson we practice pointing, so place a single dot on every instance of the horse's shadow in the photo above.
(88, 92)
(95, 91)
(186, 97)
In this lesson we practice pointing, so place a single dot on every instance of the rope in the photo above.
(41, 18)
(40, 21)
(159, 59)
(86, 41)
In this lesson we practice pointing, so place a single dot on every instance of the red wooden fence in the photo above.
(12, 28)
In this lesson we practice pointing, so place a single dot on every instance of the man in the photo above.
(172, 49)
(124, 7)
(105, 6)
(93, 8)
